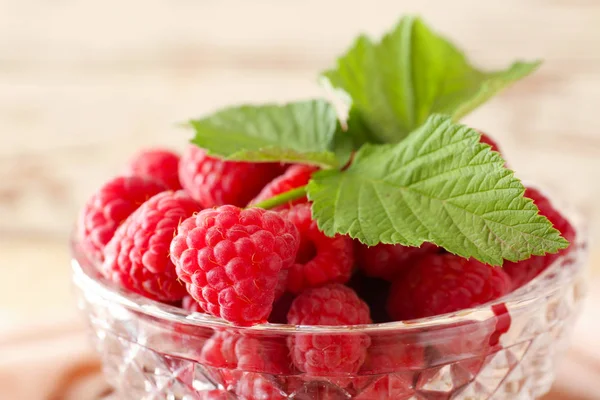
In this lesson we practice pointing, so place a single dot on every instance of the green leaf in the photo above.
(411, 74)
(439, 185)
(301, 132)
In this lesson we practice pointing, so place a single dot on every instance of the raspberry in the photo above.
(188, 303)
(392, 353)
(159, 164)
(214, 182)
(397, 386)
(230, 260)
(524, 271)
(320, 259)
(488, 140)
(281, 283)
(440, 284)
(219, 350)
(304, 388)
(137, 257)
(215, 394)
(294, 177)
(109, 207)
(386, 261)
(258, 387)
(468, 342)
(232, 350)
(317, 354)
(263, 354)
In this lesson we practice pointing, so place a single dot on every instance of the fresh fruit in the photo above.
(485, 138)
(159, 164)
(391, 353)
(219, 350)
(524, 271)
(294, 177)
(281, 283)
(137, 257)
(387, 261)
(247, 352)
(440, 284)
(320, 259)
(109, 207)
(253, 386)
(215, 394)
(329, 353)
(388, 387)
(306, 387)
(230, 260)
(215, 182)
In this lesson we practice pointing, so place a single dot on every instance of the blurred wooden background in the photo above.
(84, 84)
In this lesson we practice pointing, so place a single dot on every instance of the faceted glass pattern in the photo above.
(154, 351)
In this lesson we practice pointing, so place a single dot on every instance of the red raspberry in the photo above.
(230, 260)
(294, 177)
(392, 353)
(320, 259)
(386, 261)
(488, 140)
(137, 257)
(264, 354)
(188, 303)
(440, 284)
(232, 350)
(305, 388)
(388, 387)
(109, 207)
(159, 164)
(524, 271)
(258, 387)
(215, 182)
(215, 394)
(281, 283)
(468, 342)
(317, 354)
(219, 350)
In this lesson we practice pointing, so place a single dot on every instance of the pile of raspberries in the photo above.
(183, 230)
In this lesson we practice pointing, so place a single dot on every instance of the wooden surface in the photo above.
(84, 84)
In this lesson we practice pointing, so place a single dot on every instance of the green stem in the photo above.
(282, 198)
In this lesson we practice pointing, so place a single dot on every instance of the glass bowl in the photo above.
(507, 349)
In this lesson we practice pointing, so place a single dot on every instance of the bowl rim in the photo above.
(543, 286)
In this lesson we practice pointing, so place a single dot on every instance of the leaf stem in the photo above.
(282, 198)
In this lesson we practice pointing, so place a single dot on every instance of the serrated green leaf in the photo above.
(411, 74)
(300, 132)
(439, 185)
